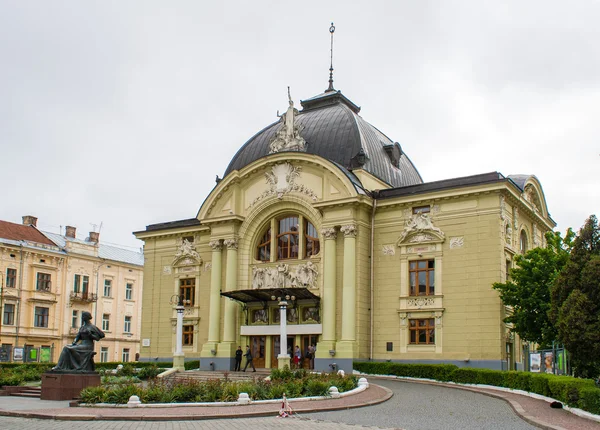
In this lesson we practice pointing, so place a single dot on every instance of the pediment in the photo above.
(420, 229)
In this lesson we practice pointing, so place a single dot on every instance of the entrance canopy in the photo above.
(266, 294)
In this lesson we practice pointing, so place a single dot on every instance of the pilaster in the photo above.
(329, 294)
(215, 300)
(346, 348)
(227, 346)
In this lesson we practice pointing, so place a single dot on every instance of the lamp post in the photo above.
(179, 357)
(283, 359)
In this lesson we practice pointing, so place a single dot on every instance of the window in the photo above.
(128, 291)
(523, 242)
(75, 319)
(77, 284)
(41, 317)
(422, 332)
(104, 354)
(421, 210)
(125, 357)
(107, 287)
(287, 238)
(422, 278)
(188, 335)
(9, 314)
(85, 282)
(105, 322)
(311, 238)
(43, 281)
(264, 247)
(187, 290)
(127, 326)
(11, 278)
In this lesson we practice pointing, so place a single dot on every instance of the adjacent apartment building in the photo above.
(50, 279)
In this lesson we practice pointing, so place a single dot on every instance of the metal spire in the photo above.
(331, 30)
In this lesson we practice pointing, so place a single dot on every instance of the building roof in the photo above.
(332, 129)
(106, 252)
(190, 222)
(20, 232)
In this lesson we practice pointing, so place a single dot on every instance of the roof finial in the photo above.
(331, 30)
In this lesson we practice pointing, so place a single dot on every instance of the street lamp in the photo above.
(283, 358)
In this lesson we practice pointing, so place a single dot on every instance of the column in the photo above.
(215, 301)
(329, 297)
(227, 347)
(346, 348)
(178, 357)
(283, 359)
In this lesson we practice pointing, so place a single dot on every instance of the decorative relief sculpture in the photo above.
(231, 243)
(421, 238)
(388, 250)
(288, 136)
(457, 242)
(186, 254)
(349, 230)
(329, 233)
(420, 302)
(508, 232)
(532, 197)
(420, 223)
(216, 244)
(166, 270)
(282, 180)
(536, 239)
(502, 208)
(281, 276)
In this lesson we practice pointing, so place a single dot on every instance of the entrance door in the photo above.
(257, 346)
(277, 347)
(310, 339)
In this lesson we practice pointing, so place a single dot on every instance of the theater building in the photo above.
(324, 209)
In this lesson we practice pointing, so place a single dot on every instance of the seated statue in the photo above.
(79, 358)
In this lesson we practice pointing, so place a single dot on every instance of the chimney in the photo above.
(30, 220)
(70, 231)
(94, 236)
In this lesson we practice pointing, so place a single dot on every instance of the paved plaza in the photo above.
(413, 406)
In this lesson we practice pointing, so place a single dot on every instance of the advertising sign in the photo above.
(548, 362)
(18, 354)
(535, 360)
(45, 354)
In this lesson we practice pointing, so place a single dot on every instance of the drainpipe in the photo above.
(371, 280)
(96, 302)
(18, 316)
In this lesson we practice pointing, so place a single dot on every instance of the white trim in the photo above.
(272, 330)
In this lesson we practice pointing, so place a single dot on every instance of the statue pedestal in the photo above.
(67, 386)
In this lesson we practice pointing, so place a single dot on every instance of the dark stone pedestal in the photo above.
(66, 386)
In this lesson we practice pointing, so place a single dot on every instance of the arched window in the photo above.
(523, 244)
(286, 238)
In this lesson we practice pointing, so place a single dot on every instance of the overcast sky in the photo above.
(123, 112)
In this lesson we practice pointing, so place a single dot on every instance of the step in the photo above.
(27, 394)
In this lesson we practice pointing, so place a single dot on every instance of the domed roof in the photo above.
(331, 127)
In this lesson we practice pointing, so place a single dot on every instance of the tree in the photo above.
(528, 290)
(575, 309)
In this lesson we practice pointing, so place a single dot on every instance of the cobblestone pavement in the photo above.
(423, 407)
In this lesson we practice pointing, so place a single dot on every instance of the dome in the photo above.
(331, 127)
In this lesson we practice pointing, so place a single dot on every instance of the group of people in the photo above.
(296, 360)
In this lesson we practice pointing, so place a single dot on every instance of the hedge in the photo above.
(576, 392)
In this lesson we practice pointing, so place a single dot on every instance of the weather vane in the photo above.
(331, 31)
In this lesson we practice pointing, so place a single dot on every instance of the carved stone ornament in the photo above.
(388, 250)
(231, 243)
(422, 237)
(349, 230)
(457, 242)
(502, 208)
(282, 276)
(421, 224)
(508, 232)
(208, 266)
(186, 254)
(536, 239)
(216, 244)
(166, 270)
(531, 196)
(420, 302)
(288, 136)
(329, 233)
(282, 180)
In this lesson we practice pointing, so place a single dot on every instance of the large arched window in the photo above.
(523, 243)
(288, 237)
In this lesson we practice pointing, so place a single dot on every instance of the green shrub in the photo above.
(93, 395)
(589, 399)
(491, 377)
(11, 379)
(126, 370)
(189, 365)
(120, 394)
(317, 387)
(149, 372)
(518, 380)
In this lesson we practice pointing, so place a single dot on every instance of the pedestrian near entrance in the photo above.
(238, 359)
(311, 356)
(248, 355)
(297, 357)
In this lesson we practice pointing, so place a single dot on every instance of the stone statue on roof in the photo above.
(288, 136)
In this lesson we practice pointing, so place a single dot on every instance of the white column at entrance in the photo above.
(329, 296)
(283, 358)
(349, 284)
(178, 357)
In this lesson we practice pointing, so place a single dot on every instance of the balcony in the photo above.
(80, 296)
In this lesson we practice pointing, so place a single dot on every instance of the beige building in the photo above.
(50, 279)
(323, 209)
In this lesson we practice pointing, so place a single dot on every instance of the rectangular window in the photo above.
(41, 317)
(105, 322)
(421, 209)
(104, 354)
(188, 335)
(422, 278)
(187, 290)
(77, 284)
(125, 355)
(43, 281)
(75, 319)
(128, 291)
(9, 314)
(127, 326)
(11, 278)
(422, 332)
(107, 287)
(85, 282)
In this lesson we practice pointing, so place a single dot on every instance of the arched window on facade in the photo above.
(523, 243)
(288, 237)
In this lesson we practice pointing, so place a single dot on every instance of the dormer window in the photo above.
(421, 209)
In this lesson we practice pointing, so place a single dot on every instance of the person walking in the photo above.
(238, 359)
(311, 356)
(297, 357)
(248, 355)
